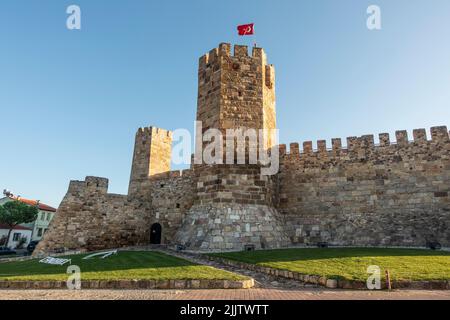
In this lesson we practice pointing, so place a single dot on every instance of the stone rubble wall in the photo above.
(171, 196)
(389, 194)
(89, 218)
(231, 226)
(233, 184)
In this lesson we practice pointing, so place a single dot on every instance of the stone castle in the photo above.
(389, 194)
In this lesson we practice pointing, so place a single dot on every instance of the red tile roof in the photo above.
(4, 226)
(41, 206)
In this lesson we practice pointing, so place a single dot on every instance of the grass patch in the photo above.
(352, 263)
(126, 265)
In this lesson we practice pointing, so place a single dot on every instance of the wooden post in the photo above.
(388, 280)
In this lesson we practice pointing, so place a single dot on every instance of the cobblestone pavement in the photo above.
(223, 294)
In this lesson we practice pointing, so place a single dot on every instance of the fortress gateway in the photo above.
(391, 194)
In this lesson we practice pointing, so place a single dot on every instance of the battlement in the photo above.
(236, 89)
(153, 132)
(90, 184)
(239, 51)
(438, 135)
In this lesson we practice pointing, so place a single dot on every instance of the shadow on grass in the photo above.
(124, 260)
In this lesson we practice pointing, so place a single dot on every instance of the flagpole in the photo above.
(254, 36)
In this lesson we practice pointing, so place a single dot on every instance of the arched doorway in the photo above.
(155, 233)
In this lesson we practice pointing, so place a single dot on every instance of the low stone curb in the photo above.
(333, 283)
(31, 257)
(132, 284)
(21, 258)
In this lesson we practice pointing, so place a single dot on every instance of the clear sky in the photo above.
(71, 101)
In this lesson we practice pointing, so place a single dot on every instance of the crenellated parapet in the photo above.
(240, 51)
(439, 135)
(93, 185)
(395, 192)
(236, 90)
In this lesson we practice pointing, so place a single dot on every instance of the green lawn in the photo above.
(352, 263)
(126, 265)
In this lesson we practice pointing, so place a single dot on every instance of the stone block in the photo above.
(331, 283)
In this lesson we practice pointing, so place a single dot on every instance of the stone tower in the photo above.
(236, 91)
(152, 154)
(233, 207)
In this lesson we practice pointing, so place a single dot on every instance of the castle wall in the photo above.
(390, 194)
(92, 219)
(233, 183)
(231, 226)
(365, 194)
(89, 218)
(233, 208)
(171, 196)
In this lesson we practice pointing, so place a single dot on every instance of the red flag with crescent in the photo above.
(246, 29)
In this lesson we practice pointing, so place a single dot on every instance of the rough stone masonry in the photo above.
(390, 194)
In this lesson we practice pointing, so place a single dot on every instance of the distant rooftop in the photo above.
(18, 227)
(40, 205)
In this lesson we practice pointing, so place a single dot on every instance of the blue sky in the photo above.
(71, 101)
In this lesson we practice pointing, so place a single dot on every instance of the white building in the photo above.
(45, 215)
(17, 234)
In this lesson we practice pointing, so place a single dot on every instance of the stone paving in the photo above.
(262, 280)
(223, 294)
(267, 287)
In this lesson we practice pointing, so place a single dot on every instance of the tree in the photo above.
(14, 213)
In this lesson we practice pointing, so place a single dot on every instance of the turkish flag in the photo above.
(245, 29)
